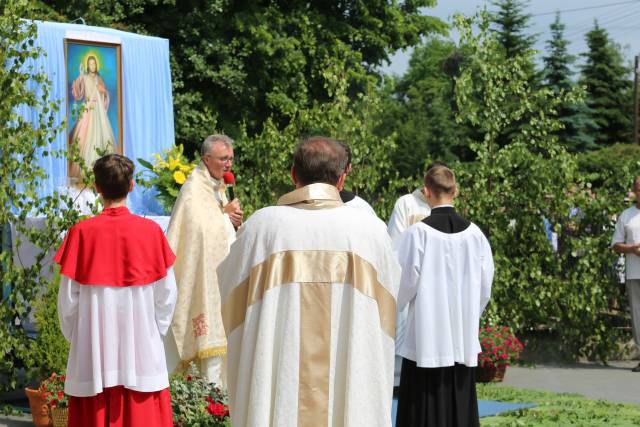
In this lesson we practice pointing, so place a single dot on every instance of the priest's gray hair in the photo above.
(319, 159)
(214, 139)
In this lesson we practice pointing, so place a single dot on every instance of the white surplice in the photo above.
(116, 334)
(443, 321)
(308, 294)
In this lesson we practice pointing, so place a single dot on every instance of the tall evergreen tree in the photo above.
(511, 24)
(579, 127)
(609, 88)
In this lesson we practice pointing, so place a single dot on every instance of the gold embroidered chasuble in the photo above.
(199, 238)
(308, 303)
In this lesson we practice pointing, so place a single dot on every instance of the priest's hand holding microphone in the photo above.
(233, 207)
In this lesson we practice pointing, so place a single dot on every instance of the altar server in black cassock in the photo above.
(447, 270)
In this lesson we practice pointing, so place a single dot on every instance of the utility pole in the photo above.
(636, 102)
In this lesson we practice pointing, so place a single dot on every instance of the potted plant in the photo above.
(47, 352)
(197, 402)
(52, 391)
(500, 347)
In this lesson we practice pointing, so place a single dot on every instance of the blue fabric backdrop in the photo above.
(147, 101)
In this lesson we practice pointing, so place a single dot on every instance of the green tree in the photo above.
(237, 63)
(420, 108)
(510, 24)
(264, 160)
(511, 188)
(577, 133)
(609, 88)
(24, 142)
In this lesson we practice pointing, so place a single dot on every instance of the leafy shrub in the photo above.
(196, 402)
(50, 349)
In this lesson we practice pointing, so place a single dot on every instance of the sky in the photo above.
(621, 18)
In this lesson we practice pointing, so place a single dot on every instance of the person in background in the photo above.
(626, 240)
(347, 197)
(447, 271)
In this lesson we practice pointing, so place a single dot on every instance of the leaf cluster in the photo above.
(29, 128)
(511, 189)
(195, 401)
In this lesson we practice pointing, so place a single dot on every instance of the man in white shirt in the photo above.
(447, 270)
(626, 240)
(347, 197)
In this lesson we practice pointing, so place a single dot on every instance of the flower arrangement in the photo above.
(167, 174)
(196, 402)
(500, 347)
(52, 391)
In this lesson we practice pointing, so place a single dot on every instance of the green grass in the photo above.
(556, 409)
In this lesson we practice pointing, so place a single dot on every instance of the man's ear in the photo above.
(294, 177)
(131, 185)
(341, 179)
(426, 192)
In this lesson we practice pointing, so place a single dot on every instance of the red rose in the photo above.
(211, 408)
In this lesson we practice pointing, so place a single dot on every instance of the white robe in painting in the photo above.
(443, 321)
(308, 302)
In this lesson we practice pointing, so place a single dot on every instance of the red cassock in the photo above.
(116, 299)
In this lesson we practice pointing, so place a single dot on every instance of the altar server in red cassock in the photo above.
(116, 299)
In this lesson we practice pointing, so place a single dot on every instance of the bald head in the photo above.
(319, 160)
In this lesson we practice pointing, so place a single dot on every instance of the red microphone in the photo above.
(230, 180)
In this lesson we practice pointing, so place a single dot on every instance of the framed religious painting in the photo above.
(94, 102)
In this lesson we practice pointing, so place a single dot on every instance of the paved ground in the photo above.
(614, 382)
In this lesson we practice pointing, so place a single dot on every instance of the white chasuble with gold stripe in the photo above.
(309, 306)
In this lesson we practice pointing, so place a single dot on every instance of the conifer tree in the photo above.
(609, 88)
(578, 132)
(511, 24)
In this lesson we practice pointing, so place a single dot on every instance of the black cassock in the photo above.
(438, 397)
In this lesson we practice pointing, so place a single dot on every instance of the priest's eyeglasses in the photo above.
(225, 159)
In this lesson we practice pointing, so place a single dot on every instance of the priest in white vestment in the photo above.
(308, 303)
(200, 233)
(349, 198)
(447, 270)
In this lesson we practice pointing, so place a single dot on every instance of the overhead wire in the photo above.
(579, 9)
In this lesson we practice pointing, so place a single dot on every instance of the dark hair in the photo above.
(113, 174)
(346, 148)
(440, 180)
(319, 159)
